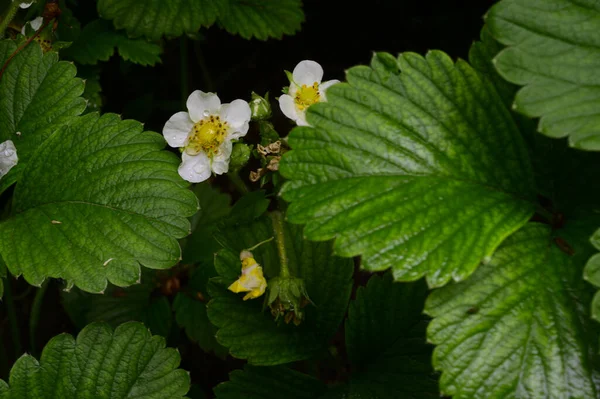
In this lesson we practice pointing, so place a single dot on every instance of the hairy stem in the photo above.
(8, 16)
(237, 181)
(12, 319)
(34, 319)
(277, 219)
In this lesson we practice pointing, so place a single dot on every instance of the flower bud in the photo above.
(240, 154)
(287, 297)
(260, 107)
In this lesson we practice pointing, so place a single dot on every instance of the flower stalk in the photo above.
(277, 220)
(8, 17)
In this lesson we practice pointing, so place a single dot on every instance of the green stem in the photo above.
(183, 73)
(10, 14)
(12, 319)
(277, 219)
(34, 319)
(237, 181)
(260, 243)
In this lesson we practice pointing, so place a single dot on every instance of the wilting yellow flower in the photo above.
(252, 280)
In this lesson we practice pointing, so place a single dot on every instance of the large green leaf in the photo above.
(99, 39)
(263, 19)
(269, 383)
(38, 94)
(100, 364)
(554, 51)
(518, 327)
(157, 18)
(96, 201)
(191, 314)
(200, 246)
(253, 334)
(421, 169)
(119, 305)
(385, 340)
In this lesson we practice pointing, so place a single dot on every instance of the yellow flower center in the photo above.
(207, 136)
(307, 96)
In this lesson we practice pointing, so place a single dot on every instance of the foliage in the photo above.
(100, 363)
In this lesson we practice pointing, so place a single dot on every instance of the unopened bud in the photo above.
(260, 107)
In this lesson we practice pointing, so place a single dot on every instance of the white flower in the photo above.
(305, 90)
(25, 4)
(35, 24)
(8, 157)
(205, 133)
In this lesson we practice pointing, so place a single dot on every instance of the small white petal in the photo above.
(194, 168)
(240, 132)
(324, 86)
(236, 114)
(288, 107)
(26, 4)
(201, 104)
(292, 90)
(301, 121)
(177, 129)
(37, 23)
(220, 162)
(8, 157)
(307, 72)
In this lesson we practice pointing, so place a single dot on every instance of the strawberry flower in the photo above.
(205, 134)
(305, 90)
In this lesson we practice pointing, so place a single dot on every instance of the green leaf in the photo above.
(200, 246)
(518, 327)
(385, 340)
(100, 364)
(98, 40)
(395, 155)
(38, 94)
(93, 90)
(119, 305)
(246, 209)
(263, 19)
(554, 52)
(115, 202)
(251, 333)
(191, 314)
(269, 383)
(157, 18)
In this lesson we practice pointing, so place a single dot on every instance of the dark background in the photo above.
(337, 34)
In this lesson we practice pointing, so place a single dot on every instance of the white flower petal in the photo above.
(220, 162)
(201, 104)
(26, 4)
(301, 121)
(307, 72)
(240, 132)
(292, 90)
(37, 23)
(236, 114)
(194, 168)
(324, 86)
(177, 129)
(288, 107)
(8, 157)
